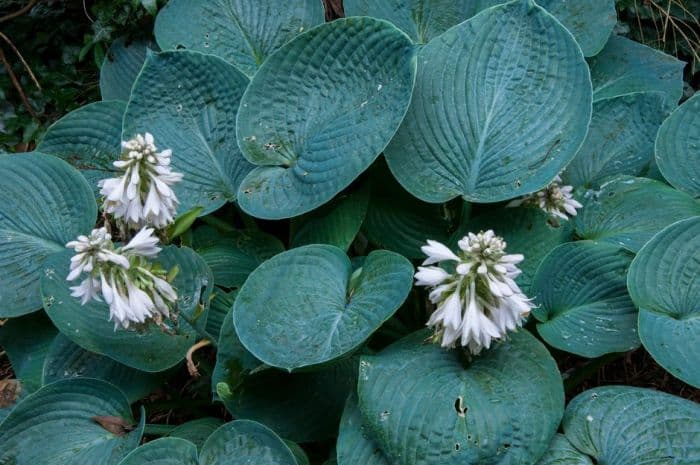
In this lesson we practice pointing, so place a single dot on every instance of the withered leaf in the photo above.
(115, 425)
(10, 389)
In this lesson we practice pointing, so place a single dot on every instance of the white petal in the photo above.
(430, 276)
(437, 252)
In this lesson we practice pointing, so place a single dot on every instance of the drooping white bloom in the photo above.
(555, 199)
(480, 302)
(134, 289)
(142, 196)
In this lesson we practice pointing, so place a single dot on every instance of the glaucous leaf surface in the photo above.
(243, 442)
(197, 431)
(220, 306)
(163, 451)
(27, 340)
(151, 349)
(233, 361)
(625, 66)
(628, 211)
(88, 138)
(584, 307)
(318, 309)
(678, 147)
(621, 425)
(189, 102)
(663, 282)
(355, 444)
(470, 130)
(424, 406)
(243, 32)
(122, 64)
(44, 203)
(561, 452)
(319, 112)
(66, 359)
(620, 140)
(56, 425)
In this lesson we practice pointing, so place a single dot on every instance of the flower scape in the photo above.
(424, 233)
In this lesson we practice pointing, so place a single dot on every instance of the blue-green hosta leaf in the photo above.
(189, 102)
(310, 408)
(318, 309)
(663, 284)
(467, 132)
(88, 138)
(628, 211)
(625, 66)
(66, 359)
(56, 425)
(299, 454)
(621, 425)
(233, 361)
(355, 445)
(243, 32)
(121, 66)
(244, 442)
(27, 340)
(163, 451)
(44, 203)
(423, 406)
(620, 139)
(320, 111)
(678, 147)
(584, 307)
(150, 350)
(336, 223)
(220, 306)
(561, 452)
(197, 431)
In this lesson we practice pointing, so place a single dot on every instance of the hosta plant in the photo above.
(369, 240)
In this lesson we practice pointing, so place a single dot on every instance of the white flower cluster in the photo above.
(555, 199)
(134, 290)
(479, 302)
(143, 194)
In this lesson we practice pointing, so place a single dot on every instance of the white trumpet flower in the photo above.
(479, 302)
(555, 199)
(142, 196)
(134, 289)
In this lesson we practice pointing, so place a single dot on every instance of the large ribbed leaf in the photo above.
(150, 350)
(355, 445)
(243, 32)
(501, 105)
(56, 426)
(306, 306)
(197, 431)
(121, 66)
(233, 361)
(423, 406)
(66, 359)
(620, 140)
(88, 138)
(628, 211)
(44, 203)
(620, 425)
(663, 282)
(625, 66)
(584, 307)
(189, 102)
(678, 147)
(163, 451)
(561, 452)
(319, 111)
(220, 306)
(244, 442)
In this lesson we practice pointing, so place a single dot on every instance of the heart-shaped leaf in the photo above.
(355, 444)
(663, 284)
(197, 431)
(318, 309)
(503, 408)
(189, 102)
(319, 112)
(561, 452)
(621, 425)
(233, 361)
(150, 350)
(44, 203)
(163, 451)
(122, 64)
(466, 132)
(678, 147)
(65, 423)
(584, 307)
(243, 32)
(243, 442)
(628, 211)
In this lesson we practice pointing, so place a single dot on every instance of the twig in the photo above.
(21, 58)
(19, 12)
(17, 85)
(191, 367)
